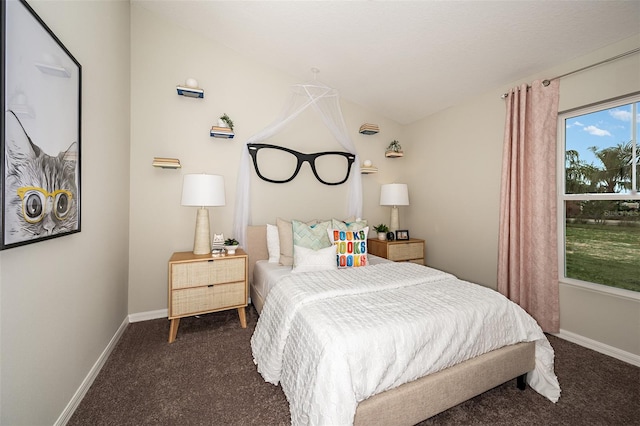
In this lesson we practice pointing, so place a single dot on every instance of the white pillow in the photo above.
(273, 243)
(309, 260)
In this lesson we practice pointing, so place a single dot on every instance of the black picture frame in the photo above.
(40, 130)
(402, 234)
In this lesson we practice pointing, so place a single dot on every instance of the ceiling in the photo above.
(406, 60)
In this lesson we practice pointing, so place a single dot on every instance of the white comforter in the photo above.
(335, 338)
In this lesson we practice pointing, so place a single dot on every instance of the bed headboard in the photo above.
(256, 246)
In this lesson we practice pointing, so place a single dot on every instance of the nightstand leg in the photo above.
(173, 329)
(243, 317)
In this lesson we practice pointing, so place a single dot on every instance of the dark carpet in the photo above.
(207, 377)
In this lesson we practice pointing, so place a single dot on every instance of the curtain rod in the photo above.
(622, 55)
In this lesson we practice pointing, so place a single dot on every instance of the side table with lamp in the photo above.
(198, 283)
(406, 250)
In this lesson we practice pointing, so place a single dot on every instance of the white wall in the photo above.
(63, 299)
(165, 124)
(455, 178)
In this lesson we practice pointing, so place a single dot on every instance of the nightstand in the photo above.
(411, 250)
(199, 284)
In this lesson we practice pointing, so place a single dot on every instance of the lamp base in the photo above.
(394, 219)
(202, 240)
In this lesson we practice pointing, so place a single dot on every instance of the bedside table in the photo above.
(199, 284)
(411, 250)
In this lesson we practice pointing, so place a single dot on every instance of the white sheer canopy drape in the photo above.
(326, 102)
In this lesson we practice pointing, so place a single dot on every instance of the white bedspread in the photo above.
(335, 338)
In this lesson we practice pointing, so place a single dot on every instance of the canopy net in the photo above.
(326, 102)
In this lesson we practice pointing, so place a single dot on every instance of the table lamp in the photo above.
(394, 194)
(202, 190)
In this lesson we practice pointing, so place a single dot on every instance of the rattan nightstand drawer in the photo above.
(407, 251)
(214, 271)
(411, 250)
(207, 299)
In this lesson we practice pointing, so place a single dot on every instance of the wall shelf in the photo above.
(367, 167)
(369, 129)
(166, 163)
(221, 132)
(190, 92)
(394, 150)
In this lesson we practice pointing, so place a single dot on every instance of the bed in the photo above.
(404, 397)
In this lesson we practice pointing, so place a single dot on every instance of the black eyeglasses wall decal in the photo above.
(281, 165)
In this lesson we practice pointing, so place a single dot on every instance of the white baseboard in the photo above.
(149, 315)
(600, 347)
(93, 373)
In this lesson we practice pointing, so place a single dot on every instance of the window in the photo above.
(598, 199)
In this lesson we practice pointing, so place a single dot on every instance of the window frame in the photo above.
(562, 197)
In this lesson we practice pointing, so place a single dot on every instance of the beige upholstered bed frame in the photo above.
(418, 400)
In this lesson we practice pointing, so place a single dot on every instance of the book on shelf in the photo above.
(221, 132)
(225, 135)
(167, 166)
(221, 129)
(191, 92)
(167, 163)
(166, 159)
(369, 129)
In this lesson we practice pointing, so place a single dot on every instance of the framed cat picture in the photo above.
(40, 135)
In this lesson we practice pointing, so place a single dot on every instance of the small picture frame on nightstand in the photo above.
(402, 234)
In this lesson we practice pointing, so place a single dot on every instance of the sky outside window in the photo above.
(602, 129)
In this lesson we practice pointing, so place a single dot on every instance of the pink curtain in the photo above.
(528, 246)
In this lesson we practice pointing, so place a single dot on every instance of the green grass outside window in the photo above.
(604, 254)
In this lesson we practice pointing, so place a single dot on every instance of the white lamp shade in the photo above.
(394, 194)
(203, 190)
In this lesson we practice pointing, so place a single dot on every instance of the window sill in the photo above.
(601, 288)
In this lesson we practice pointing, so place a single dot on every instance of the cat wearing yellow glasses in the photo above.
(40, 190)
